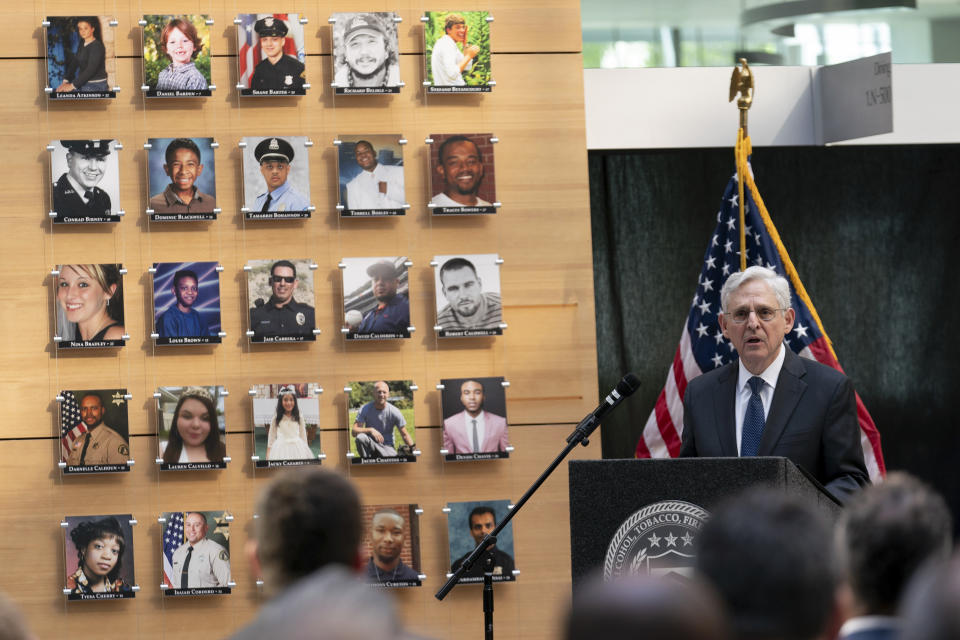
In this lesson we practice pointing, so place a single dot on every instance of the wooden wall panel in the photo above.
(547, 353)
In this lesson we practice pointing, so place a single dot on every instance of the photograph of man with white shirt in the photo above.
(378, 185)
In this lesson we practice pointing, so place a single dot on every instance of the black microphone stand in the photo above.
(579, 436)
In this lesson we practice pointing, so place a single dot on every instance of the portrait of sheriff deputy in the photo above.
(368, 55)
(101, 444)
(200, 562)
(277, 70)
(76, 192)
(274, 156)
(281, 315)
(474, 430)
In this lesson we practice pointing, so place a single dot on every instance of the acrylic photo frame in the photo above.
(376, 302)
(283, 435)
(94, 429)
(384, 434)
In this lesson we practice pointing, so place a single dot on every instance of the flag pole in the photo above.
(741, 81)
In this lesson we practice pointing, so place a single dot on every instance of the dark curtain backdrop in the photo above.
(875, 235)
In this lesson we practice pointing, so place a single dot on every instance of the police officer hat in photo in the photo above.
(273, 148)
(88, 148)
(271, 26)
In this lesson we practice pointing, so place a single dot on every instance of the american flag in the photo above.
(172, 539)
(702, 345)
(71, 426)
(249, 51)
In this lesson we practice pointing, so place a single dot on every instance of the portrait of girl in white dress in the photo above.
(287, 434)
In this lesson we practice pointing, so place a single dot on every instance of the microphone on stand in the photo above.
(624, 388)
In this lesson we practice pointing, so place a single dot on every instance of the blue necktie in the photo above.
(753, 420)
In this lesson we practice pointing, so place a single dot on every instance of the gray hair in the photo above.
(778, 284)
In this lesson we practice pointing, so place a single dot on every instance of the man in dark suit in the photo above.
(773, 402)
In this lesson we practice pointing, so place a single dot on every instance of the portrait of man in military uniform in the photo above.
(366, 52)
(281, 300)
(94, 430)
(196, 556)
(276, 177)
(272, 55)
(78, 169)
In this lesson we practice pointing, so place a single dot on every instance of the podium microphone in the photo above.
(624, 388)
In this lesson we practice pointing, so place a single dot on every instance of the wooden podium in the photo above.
(630, 516)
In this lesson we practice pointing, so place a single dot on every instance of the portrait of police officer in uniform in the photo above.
(76, 192)
(365, 50)
(199, 562)
(277, 71)
(281, 315)
(274, 183)
(102, 443)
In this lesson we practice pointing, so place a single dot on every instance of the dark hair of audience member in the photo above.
(771, 558)
(652, 608)
(888, 532)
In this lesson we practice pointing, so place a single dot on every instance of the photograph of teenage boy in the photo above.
(365, 49)
(462, 301)
(459, 170)
(277, 70)
(374, 423)
(99, 555)
(379, 305)
(474, 429)
(176, 53)
(99, 443)
(77, 51)
(90, 302)
(467, 524)
(457, 48)
(186, 299)
(448, 62)
(75, 192)
(389, 533)
(281, 314)
(371, 179)
(271, 178)
(177, 176)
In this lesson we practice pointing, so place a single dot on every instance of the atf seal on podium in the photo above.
(657, 539)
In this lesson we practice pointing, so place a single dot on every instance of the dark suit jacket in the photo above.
(812, 421)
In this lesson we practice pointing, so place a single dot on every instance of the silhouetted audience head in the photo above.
(12, 624)
(887, 533)
(931, 604)
(307, 519)
(771, 559)
(652, 608)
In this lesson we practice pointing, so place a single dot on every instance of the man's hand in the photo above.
(376, 435)
(471, 51)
